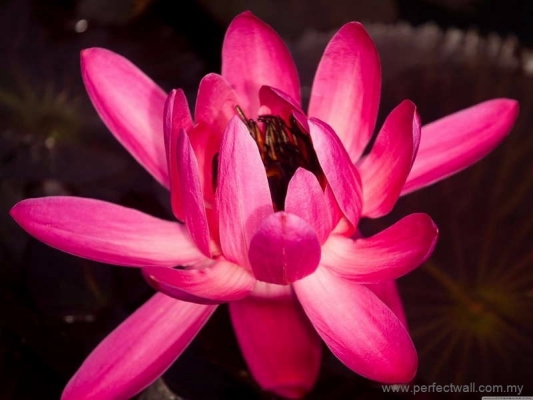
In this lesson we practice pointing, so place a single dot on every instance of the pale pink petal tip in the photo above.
(284, 249)
(130, 104)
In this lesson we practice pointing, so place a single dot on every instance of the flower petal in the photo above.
(385, 169)
(347, 87)
(385, 256)
(212, 282)
(139, 350)
(284, 249)
(254, 55)
(455, 142)
(176, 118)
(279, 103)
(130, 104)
(106, 232)
(340, 173)
(177, 115)
(281, 349)
(243, 196)
(191, 193)
(387, 291)
(358, 327)
(306, 199)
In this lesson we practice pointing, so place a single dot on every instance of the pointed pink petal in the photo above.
(280, 347)
(105, 232)
(176, 118)
(176, 114)
(279, 103)
(254, 55)
(387, 291)
(306, 199)
(455, 142)
(340, 173)
(358, 327)
(284, 249)
(210, 282)
(139, 350)
(130, 104)
(347, 87)
(191, 193)
(385, 169)
(243, 195)
(385, 256)
(215, 104)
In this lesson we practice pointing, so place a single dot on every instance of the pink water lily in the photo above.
(269, 202)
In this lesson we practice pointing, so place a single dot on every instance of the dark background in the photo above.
(469, 308)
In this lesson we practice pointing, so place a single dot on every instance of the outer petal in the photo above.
(388, 293)
(254, 55)
(358, 327)
(385, 256)
(212, 282)
(131, 106)
(105, 232)
(453, 143)
(306, 199)
(139, 350)
(176, 118)
(280, 347)
(243, 195)
(340, 173)
(385, 169)
(347, 87)
(191, 193)
(284, 249)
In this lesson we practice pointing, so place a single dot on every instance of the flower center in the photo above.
(283, 148)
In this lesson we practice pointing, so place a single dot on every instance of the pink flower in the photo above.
(270, 225)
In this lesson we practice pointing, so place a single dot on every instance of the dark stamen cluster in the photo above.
(283, 148)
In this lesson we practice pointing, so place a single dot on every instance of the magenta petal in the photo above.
(191, 194)
(106, 232)
(139, 350)
(358, 327)
(254, 55)
(455, 142)
(177, 115)
(130, 104)
(176, 118)
(284, 249)
(280, 347)
(243, 195)
(388, 293)
(340, 173)
(306, 199)
(385, 256)
(212, 282)
(385, 169)
(347, 87)
(279, 103)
